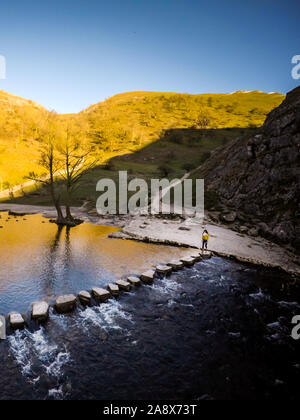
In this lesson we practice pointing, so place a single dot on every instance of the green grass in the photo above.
(146, 133)
(147, 163)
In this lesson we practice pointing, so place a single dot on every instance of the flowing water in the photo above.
(220, 329)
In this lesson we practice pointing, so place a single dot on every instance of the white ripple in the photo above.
(105, 316)
(33, 352)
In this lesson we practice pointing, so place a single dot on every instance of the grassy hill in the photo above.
(128, 121)
(147, 133)
(19, 123)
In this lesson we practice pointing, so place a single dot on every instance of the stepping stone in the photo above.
(16, 320)
(84, 297)
(188, 261)
(176, 265)
(123, 285)
(135, 281)
(65, 303)
(206, 254)
(114, 289)
(197, 257)
(148, 276)
(101, 294)
(40, 311)
(164, 269)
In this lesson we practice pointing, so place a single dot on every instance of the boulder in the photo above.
(282, 232)
(134, 281)
(184, 228)
(148, 276)
(253, 232)
(114, 289)
(243, 229)
(65, 303)
(100, 294)
(214, 216)
(16, 320)
(229, 217)
(123, 285)
(164, 269)
(264, 228)
(84, 297)
(40, 311)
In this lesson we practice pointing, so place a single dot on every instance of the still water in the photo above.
(218, 330)
(39, 261)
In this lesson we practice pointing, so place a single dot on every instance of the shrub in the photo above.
(110, 166)
(188, 166)
(176, 138)
(204, 157)
(165, 170)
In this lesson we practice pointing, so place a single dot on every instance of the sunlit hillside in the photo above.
(19, 123)
(172, 123)
(131, 120)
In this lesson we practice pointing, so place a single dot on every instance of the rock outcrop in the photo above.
(258, 178)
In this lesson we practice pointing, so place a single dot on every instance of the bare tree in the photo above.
(77, 153)
(66, 153)
(50, 162)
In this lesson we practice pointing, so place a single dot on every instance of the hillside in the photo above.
(19, 122)
(257, 177)
(159, 133)
(131, 120)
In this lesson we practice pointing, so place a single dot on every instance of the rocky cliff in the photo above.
(257, 179)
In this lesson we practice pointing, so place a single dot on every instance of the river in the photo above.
(217, 330)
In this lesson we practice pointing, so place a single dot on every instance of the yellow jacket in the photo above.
(205, 236)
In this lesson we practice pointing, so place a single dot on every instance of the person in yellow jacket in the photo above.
(205, 238)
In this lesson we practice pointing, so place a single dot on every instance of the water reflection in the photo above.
(49, 276)
(39, 260)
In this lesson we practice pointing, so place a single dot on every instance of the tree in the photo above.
(203, 120)
(49, 161)
(66, 155)
(77, 155)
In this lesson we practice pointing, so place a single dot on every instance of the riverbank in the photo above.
(223, 241)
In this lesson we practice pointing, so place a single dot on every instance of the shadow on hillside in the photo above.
(191, 140)
(176, 152)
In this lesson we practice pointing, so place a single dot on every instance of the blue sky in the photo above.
(68, 55)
